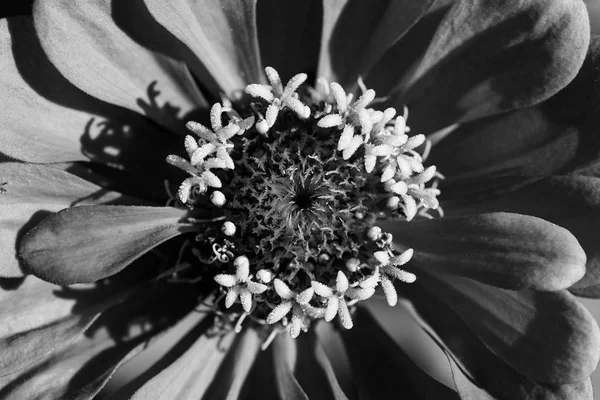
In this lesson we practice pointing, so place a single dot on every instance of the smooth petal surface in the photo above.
(289, 34)
(381, 369)
(46, 119)
(314, 371)
(80, 370)
(488, 57)
(356, 34)
(37, 320)
(547, 337)
(511, 251)
(89, 243)
(191, 373)
(232, 374)
(32, 192)
(222, 34)
(84, 43)
(480, 373)
(284, 354)
(572, 202)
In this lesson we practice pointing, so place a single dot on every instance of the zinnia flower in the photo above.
(262, 171)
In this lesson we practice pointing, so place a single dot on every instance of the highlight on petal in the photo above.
(476, 370)
(37, 320)
(572, 202)
(82, 368)
(48, 120)
(357, 33)
(488, 57)
(89, 243)
(30, 193)
(190, 374)
(548, 337)
(222, 34)
(93, 53)
(380, 367)
(506, 250)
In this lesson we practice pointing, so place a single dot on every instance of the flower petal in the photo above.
(314, 371)
(493, 376)
(289, 35)
(94, 54)
(47, 119)
(81, 369)
(222, 34)
(89, 243)
(37, 320)
(190, 374)
(380, 367)
(234, 370)
(31, 192)
(516, 327)
(356, 34)
(489, 57)
(469, 390)
(284, 353)
(506, 250)
(572, 202)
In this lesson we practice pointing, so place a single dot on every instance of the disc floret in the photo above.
(295, 179)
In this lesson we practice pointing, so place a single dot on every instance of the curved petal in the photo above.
(547, 336)
(89, 243)
(191, 374)
(38, 319)
(289, 34)
(232, 374)
(572, 202)
(90, 50)
(222, 34)
(469, 390)
(356, 34)
(314, 370)
(505, 250)
(284, 355)
(80, 370)
(375, 358)
(47, 119)
(30, 193)
(476, 362)
(488, 57)
(558, 135)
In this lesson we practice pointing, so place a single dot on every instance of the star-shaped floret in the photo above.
(350, 115)
(336, 304)
(290, 301)
(278, 98)
(240, 285)
(209, 151)
(390, 270)
(364, 289)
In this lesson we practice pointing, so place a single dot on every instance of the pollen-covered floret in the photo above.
(293, 197)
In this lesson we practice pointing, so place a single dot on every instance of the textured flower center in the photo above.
(293, 180)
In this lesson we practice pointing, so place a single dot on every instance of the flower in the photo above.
(167, 175)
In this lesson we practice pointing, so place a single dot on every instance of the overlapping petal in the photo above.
(222, 34)
(512, 251)
(477, 372)
(548, 337)
(488, 57)
(356, 34)
(32, 192)
(89, 243)
(90, 50)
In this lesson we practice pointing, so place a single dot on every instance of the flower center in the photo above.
(293, 180)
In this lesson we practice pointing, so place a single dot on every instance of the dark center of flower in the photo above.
(293, 180)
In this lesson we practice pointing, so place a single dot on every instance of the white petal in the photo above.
(282, 289)
(389, 290)
(246, 300)
(226, 280)
(341, 282)
(332, 309)
(344, 315)
(321, 289)
(279, 312)
(305, 296)
(329, 121)
(232, 295)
